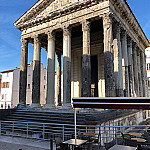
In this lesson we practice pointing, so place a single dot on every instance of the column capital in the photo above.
(66, 30)
(24, 42)
(123, 33)
(37, 39)
(107, 18)
(129, 42)
(51, 35)
(138, 51)
(117, 26)
(85, 25)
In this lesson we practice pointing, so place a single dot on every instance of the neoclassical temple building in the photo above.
(102, 44)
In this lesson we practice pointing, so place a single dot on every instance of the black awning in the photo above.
(112, 102)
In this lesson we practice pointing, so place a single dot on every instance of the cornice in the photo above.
(30, 19)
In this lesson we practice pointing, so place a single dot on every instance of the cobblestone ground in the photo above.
(12, 146)
(14, 143)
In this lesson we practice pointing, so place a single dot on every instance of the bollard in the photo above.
(51, 144)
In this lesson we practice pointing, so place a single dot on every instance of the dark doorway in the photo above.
(94, 76)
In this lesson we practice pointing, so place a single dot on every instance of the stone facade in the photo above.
(102, 46)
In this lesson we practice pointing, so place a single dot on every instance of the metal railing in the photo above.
(47, 131)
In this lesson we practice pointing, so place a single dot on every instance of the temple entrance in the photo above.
(94, 76)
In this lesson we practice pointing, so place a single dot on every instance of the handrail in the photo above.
(46, 131)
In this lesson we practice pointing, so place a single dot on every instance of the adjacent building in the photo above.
(102, 44)
(9, 96)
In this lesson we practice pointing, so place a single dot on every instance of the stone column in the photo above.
(145, 77)
(139, 73)
(58, 91)
(50, 70)
(142, 72)
(86, 63)
(135, 70)
(130, 68)
(23, 73)
(108, 56)
(36, 72)
(125, 63)
(117, 60)
(66, 67)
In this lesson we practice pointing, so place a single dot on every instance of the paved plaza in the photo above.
(15, 143)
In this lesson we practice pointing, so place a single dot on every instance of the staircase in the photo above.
(43, 124)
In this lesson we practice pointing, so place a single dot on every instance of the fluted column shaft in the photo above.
(139, 73)
(117, 60)
(142, 72)
(108, 56)
(135, 69)
(66, 66)
(86, 60)
(125, 63)
(145, 77)
(36, 73)
(23, 73)
(50, 99)
(58, 92)
(130, 68)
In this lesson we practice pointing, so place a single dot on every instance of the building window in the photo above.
(5, 96)
(148, 66)
(44, 87)
(44, 77)
(8, 106)
(1, 106)
(7, 75)
(2, 96)
(148, 82)
(5, 85)
(28, 86)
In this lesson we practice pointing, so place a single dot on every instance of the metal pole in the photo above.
(51, 141)
(63, 133)
(13, 129)
(43, 131)
(0, 128)
(75, 124)
(27, 130)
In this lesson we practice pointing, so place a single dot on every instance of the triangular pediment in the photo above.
(56, 5)
(43, 8)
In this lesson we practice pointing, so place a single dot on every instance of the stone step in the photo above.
(49, 117)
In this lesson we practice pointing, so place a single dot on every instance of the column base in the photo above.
(49, 106)
(67, 106)
(119, 93)
(21, 106)
(35, 105)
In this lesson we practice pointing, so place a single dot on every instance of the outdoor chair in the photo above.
(129, 142)
(124, 137)
(81, 136)
(145, 135)
(109, 144)
(87, 146)
(58, 141)
(64, 146)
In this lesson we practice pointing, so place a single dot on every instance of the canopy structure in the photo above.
(110, 103)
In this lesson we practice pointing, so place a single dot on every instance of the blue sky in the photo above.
(10, 45)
